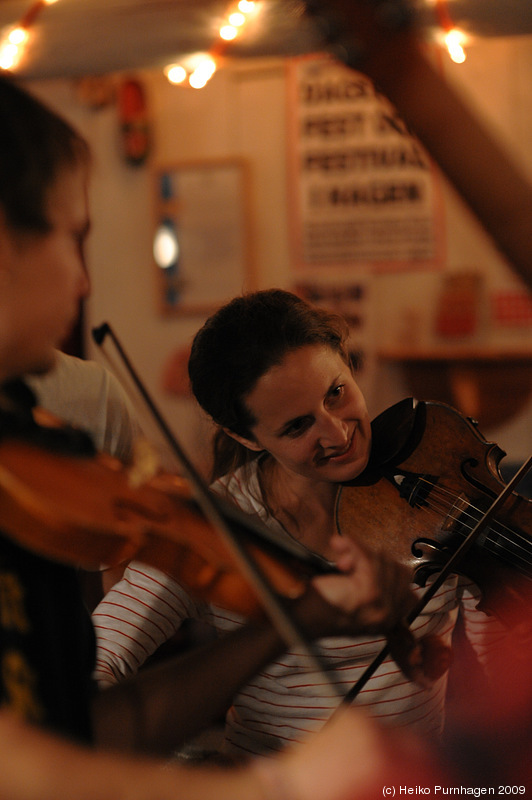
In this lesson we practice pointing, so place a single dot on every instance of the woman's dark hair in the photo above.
(35, 144)
(239, 344)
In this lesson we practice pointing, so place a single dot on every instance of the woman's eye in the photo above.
(337, 391)
(297, 427)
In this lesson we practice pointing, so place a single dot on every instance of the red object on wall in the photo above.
(459, 305)
(134, 121)
(512, 309)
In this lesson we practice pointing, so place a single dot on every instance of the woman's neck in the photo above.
(305, 508)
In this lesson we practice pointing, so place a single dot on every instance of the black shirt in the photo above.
(47, 643)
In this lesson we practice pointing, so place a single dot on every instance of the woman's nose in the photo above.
(332, 431)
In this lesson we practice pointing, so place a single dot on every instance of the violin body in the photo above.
(86, 511)
(430, 478)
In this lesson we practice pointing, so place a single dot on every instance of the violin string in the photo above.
(521, 547)
(496, 543)
(497, 527)
(510, 553)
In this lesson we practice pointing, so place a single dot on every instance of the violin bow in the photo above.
(283, 621)
(450, 567)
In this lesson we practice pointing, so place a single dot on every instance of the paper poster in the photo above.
(362, 189)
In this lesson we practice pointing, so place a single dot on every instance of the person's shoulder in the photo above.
(67, 371)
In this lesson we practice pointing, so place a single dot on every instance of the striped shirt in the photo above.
(289, 698)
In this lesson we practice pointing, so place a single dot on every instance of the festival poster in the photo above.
(363, 191)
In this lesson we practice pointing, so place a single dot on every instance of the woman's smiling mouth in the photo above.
(342, 456)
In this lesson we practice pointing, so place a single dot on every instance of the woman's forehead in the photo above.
(290, 387)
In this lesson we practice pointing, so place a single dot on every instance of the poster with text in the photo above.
(362, 190)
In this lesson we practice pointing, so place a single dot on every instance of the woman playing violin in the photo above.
(46, 640)
(274, 374)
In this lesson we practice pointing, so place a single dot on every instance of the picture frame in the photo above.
(202, 238)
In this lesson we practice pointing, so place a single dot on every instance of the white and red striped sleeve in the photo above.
(141, 612)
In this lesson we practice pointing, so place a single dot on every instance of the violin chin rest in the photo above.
(394, 429)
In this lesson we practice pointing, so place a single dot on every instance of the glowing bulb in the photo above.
(453, 41)
(50, 2)
(228, 32)
(202, 74)
(197, 81)
(237, 19)
(8, 55)
(175, 73)
(17, 36)
(246, 6)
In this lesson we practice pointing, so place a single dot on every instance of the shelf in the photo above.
(455, 354)
(491, 386)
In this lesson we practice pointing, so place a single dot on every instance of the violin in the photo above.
(430, 479)
(84, 508)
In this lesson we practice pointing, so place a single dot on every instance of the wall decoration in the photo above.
(459, 306)
(363, 190)
(201, 242)
(135, 133)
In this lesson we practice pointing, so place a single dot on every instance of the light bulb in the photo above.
(8, 55)
(236, 19)
(17, 36)
(175, 73)
(228, 32)
(453, 40)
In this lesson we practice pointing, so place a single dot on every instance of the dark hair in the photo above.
(240, 343)
(35, 144)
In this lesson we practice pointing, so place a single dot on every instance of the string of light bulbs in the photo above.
(14, 39)
(197, 69)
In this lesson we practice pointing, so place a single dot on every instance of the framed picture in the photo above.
(202, 238)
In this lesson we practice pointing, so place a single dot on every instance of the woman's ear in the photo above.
(249, 443)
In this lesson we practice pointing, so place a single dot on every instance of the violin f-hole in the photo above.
(467, 466)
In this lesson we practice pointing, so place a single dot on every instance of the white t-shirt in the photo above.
(85, 394)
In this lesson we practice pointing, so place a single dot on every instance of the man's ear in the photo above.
(249, 443)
